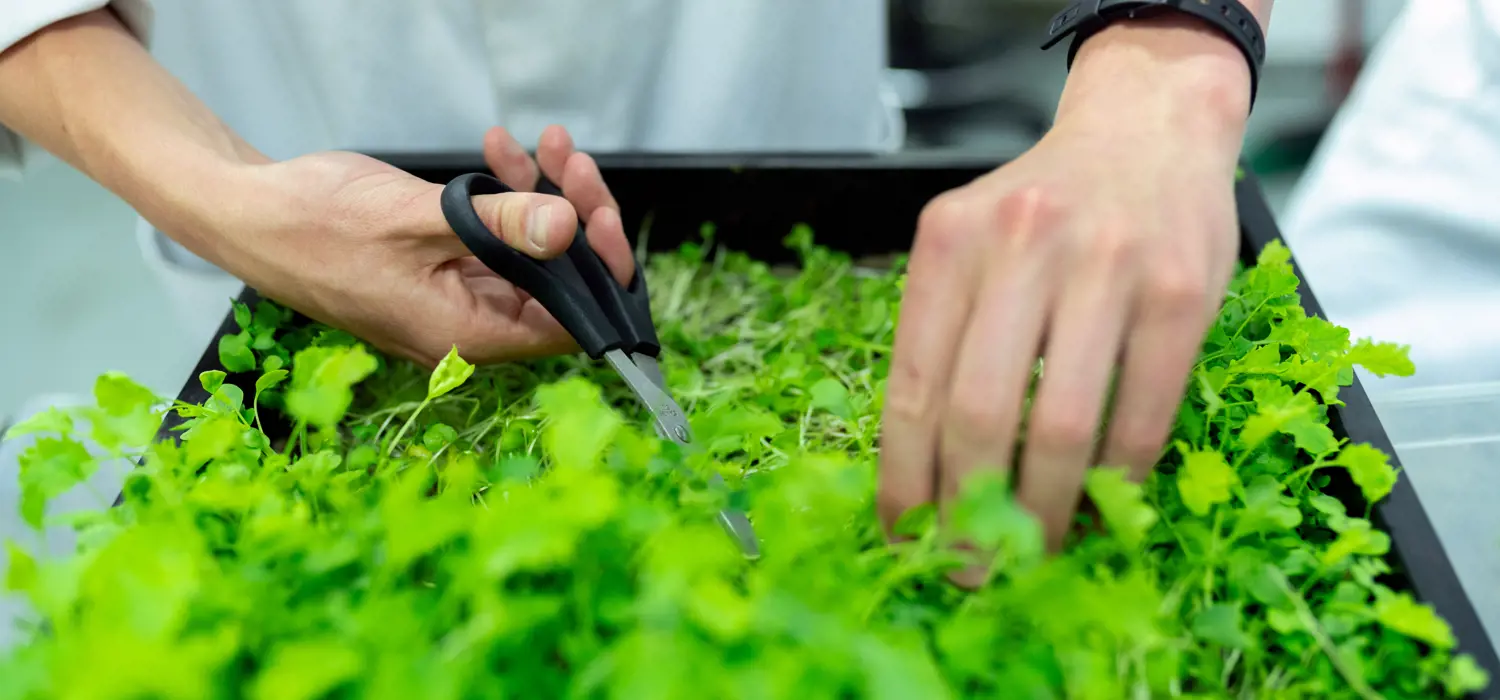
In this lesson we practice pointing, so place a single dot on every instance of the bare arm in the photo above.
(346, 239)
(86, 90)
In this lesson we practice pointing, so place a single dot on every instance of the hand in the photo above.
(363, 246)
(1105, 248)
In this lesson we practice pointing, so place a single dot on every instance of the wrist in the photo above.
(1174, 71)
(187, 193)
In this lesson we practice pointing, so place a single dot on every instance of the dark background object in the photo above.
(961, 64)
(868, 205)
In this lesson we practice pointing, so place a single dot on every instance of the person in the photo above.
(1108, 244)
(1396, 227)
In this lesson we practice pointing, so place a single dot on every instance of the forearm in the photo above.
(85, 90)
(1173, 55)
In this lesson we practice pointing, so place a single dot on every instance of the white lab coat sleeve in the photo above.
(1395, 222)
(22, 18)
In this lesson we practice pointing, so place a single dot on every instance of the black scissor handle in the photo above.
(575, 287)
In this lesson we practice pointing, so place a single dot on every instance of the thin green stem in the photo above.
(385, 449)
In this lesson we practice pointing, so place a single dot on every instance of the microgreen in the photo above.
(519, 531)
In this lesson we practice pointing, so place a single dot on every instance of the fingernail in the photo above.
(536, 227)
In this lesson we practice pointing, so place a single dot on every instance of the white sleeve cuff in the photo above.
(22, 19)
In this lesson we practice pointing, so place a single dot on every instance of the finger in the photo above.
(539, 225)
(934, 308)
(1080, 355)
(986, 393)
(509, 160)
(1160, 352)
(993, 370)
(553, 151)
(606, 234)
(583, 185)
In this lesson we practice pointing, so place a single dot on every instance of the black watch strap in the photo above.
(1084, 18)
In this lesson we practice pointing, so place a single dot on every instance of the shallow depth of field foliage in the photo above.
(335, 524)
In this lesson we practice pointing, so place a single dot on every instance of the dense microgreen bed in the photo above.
(519, 531)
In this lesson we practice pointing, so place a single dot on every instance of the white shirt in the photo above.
(294, 76)
(1396, 225)
(1396, 221)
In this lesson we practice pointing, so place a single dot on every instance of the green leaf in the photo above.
(306, 669)
(269, 379)
(263, 341)
(1121, 503)
(211, 380)
(241, 315)
(450, 374)
(235, 354)
(1222, 624)
(901, 673)
(1370, 469)
(1205, 481)
(211, 439)
(118, 395)
(1267, 508)
(829, 394)
(438, 436)
(517, 468)
(986, 515)
(1358, 538)
(52, 420)
(49, 468)
(228, 399)
(1383, 359)
(322, 378)
(1465, 676)
(580, 425)
(21, 572)
(915, 521)
(1278, 409)
(1399, 612)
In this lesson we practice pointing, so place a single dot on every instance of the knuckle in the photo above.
(942, 224)
(891, 504)
(1022, 214)
(1062, 429)
(908, 395)
(1115, 246)
(1178, 289)
(974, 414)
(1139, 449)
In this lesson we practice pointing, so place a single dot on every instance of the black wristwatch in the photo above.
(1084, 18)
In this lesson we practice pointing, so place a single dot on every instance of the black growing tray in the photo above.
(868, 205)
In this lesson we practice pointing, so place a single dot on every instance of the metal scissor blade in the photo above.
(649, 386)
(670, 421)
(649, 367)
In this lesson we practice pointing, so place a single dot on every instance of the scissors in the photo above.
(607, 319)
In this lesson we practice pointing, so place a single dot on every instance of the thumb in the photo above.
(538, 225)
